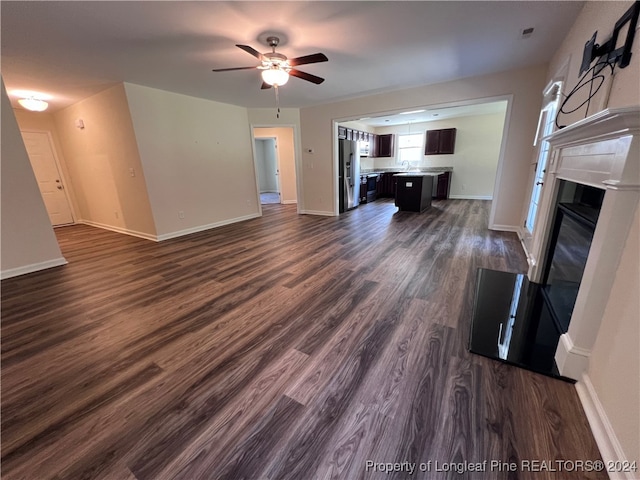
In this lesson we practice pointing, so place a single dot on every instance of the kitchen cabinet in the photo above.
(385, 145)
(363, 189)
(413, 192)
(342, 133)
(387, 185)
(349, 134)
(373, 145)
(440, 142)
(441, 186)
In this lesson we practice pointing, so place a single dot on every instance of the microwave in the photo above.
(363, 146)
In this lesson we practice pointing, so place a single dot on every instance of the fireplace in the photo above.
(590, 195)
(576, 216)
(598, 160)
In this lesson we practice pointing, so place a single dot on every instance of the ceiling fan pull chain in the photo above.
(277, 101)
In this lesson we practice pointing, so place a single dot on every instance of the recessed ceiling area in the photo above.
(72, 50)
(427, 114)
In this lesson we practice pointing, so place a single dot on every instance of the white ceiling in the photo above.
(71, 50)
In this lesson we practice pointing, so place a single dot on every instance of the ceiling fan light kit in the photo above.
(276, 76)
(276, 67)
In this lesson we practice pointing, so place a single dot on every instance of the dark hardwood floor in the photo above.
(284, 347)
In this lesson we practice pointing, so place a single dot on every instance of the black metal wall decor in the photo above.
(608, 58)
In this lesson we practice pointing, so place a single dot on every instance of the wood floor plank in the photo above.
(283, 347)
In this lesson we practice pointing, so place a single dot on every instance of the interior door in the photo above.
(45, 168)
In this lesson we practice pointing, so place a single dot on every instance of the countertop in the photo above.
(402, 170)
(418, 174)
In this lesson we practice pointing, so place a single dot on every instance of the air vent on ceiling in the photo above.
(526, 32)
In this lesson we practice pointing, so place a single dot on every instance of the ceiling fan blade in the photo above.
(230, 69)
(265, 86)
(313, 58)
(251, 51)
(306, 76)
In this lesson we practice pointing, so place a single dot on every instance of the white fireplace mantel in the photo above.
(602, 151)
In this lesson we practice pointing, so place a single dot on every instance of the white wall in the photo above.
(197, 158)
(475, 157)
(524, 87)
(287, 159)
(614, 366)
(28, 241)
(101, 158)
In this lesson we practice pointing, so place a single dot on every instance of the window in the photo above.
(410, 147)
(546, 125)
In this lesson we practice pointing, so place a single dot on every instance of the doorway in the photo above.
(268, 170)
(275, 164)
(47, 172)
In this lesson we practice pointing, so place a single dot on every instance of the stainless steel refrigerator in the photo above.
(348, 175)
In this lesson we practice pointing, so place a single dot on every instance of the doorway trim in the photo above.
(61, 170)
(277, 155)
(297, 153)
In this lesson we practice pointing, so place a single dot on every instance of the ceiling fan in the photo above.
(276, 68)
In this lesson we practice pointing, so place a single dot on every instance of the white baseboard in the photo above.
(603, 432)
(289, 202)
(471, 197)
(317, 212)
(34, 267)
(201, 228)
(572, 361)
(504, 228)
(126, 231)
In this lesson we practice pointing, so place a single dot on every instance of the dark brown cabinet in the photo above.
(387, 185)
(413, 193)
(373, 145)
(440, 142)
(441, 186)
(363, 189)
(385, 145)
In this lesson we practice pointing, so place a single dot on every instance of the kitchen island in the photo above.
(414, 190)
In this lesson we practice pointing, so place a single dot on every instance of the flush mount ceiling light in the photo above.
(33, 104)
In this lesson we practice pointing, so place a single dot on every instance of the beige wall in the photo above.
(28, 242)
(197, 158)
(614, 367)
(625, 86)
(286, 159)
(104, 164)
(524, 87)
(477, 150)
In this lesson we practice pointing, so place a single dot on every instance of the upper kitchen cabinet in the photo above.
(440, 142)
(342, 132)
(385, 145)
